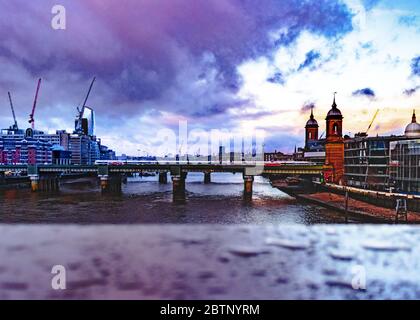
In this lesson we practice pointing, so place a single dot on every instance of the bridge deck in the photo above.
(251, 169)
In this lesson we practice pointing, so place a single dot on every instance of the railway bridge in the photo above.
(45, 177)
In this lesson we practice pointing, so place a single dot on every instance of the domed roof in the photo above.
(413, 128)
(312, 122)
(334, 110)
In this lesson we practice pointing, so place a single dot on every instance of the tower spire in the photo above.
(413, 119)
(312, 112)
(334, 105)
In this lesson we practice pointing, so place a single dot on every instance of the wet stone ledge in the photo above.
(211, 261)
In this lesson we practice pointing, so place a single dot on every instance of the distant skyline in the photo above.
(218, 64)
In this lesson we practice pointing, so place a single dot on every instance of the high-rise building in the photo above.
(88, 121)
(84, 149)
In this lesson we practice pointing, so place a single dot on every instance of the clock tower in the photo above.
(334, 144)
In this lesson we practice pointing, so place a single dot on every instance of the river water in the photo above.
(144, 200)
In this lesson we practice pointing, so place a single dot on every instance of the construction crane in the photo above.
(78, 128)
(15, 125)
(31, 116)
(373, 119)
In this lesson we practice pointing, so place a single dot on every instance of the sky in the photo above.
(234, 65)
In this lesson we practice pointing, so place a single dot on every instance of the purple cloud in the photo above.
(307, 106)
(175, 56)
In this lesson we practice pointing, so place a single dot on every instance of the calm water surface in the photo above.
(144, 200)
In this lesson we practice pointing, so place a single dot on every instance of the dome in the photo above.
(413, 128)
(312, 122)
(334, 110)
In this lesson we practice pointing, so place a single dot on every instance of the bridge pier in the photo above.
(178, 188)
(111, 184)
(44, 183)
(248, 182)
(2, 178)
(163, 177)
(207, 177)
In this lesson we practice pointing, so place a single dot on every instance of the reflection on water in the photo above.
(144, 200)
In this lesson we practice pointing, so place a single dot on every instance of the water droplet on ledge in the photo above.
(384, 246)
(245, 251)
(288, 244)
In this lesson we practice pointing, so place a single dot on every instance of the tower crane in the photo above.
(373, 119)
(80, 112)
(15, 125)
(31, 116)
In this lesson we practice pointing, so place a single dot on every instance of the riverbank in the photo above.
(356, 208)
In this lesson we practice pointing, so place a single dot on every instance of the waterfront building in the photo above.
(18, 149)
(311, 131)
(84, 149)
(277, 156)
(404, 165)
(106, 153)
(59, 138)
(60, 156)
(366, 161)
(334, 143)
(314, 149)
(384, 163)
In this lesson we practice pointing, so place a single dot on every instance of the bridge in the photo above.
(45, 177)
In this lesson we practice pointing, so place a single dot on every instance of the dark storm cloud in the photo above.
(365, 92)
(179, 56)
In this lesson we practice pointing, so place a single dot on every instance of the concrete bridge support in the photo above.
(207, 177)
(2, 178)
(248, 182)
(178, 187)
(111, 184)
(45, 183)
(163, 177)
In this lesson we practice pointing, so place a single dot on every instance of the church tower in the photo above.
(311, 130)
(334, 145)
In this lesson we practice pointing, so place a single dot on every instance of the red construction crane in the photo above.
(31, 116)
